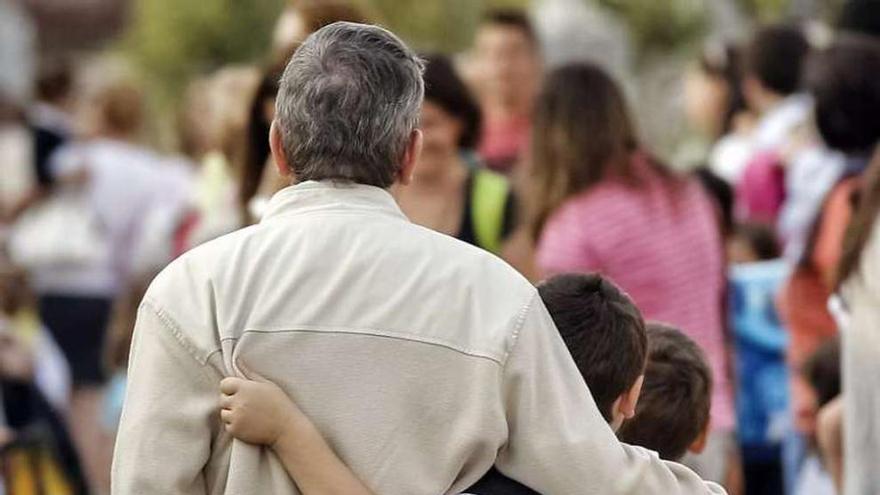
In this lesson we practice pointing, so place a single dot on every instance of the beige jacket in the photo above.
(861, 368)
(422, 360)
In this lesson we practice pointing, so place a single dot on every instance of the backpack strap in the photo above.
(489, 195)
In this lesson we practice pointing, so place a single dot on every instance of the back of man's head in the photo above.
(604, 333)
(348, 103)
(776, 57)
(673, 410)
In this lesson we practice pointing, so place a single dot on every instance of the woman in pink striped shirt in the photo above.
(600, 203)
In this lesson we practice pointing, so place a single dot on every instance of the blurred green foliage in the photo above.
(172, 40)
(434, 25)
(765, 10)
(660, 25)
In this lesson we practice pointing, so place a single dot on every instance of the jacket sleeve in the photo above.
(558, 441)
(170, 413)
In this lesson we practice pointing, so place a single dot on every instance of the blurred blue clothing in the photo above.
(114, 396)
(761, 340)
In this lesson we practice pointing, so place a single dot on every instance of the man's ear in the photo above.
(410, 158)
(699, 445)
(277, 148)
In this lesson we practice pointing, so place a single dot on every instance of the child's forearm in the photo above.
(313, 465)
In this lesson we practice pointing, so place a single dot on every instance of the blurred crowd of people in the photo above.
(543, 168)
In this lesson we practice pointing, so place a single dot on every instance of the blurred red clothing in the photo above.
(503, 141)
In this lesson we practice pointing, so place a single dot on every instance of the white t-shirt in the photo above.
(154, 247)
(123, 182)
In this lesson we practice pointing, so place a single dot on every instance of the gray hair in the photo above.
(348, 103)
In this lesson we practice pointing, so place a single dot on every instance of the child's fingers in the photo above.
(230, 385)
(226, 416)
(225, 401)
(249, 373)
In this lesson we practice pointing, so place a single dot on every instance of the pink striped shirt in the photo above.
(667, 254)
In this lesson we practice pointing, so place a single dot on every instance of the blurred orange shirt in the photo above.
(803, 303)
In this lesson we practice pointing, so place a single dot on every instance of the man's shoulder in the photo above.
(185, 291)
(472, 262)
(197, 264)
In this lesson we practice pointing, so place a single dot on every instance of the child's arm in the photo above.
(259, 412)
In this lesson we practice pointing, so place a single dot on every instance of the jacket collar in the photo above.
(327, 196)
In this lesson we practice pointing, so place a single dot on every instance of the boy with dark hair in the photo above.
(821, 372)
(605, 334)
(672, 416)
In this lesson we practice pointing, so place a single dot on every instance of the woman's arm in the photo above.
(830, 436)
(259, 412)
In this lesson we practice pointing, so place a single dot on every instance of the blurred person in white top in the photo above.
(118, 182)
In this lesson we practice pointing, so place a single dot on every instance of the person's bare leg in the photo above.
(91, 441)
(829, 433)
(735, 479)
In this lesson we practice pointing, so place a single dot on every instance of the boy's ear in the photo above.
(624, 407)
(630, 399)
(699, 444)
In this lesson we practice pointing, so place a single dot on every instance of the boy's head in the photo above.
(822, 376)
(672, 415)
(605, 334)
(773, 64)
(752, 242)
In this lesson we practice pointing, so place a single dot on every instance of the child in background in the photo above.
(821, 372)
(600, 325)
(672, 416)
(755, 277)
(35, 447)
(19, 321)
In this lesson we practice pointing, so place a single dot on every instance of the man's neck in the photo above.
(448, 177)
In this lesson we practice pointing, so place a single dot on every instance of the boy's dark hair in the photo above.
(673, 409)
(603, 330)
(822, 371)
(776, 56)
(511, 18)
(760, 238)
(846, 89)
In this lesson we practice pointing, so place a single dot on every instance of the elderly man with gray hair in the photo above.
(423, 361)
